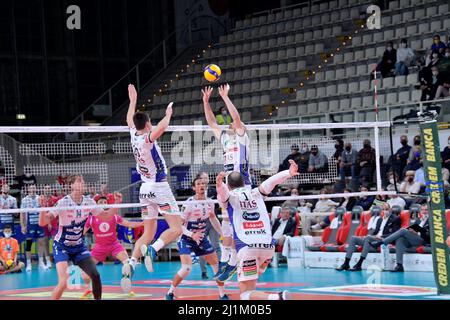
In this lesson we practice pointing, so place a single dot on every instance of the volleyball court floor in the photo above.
(306, 284)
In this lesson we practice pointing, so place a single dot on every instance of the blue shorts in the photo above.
(35, 232)
(186, 246)
(62, 253)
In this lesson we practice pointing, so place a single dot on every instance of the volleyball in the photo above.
(9, 263)
(212, 73)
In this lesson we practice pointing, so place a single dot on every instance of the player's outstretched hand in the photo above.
(207, 91)
(169, 110)
(197, 236)
(293, 168)
(224, 89)
(132, 93)
(219, 178)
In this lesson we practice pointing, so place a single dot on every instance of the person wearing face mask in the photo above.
(415, 148)
(384, 227)
(304, 158)
(409, 186)
(387, 63)
(294, 155)
(400, 158)
(365, 201)
(413, 236)
(223, 118)
(318, 162)
(433, 59)
(438, 45)
(7, 202)
(404, 57)
(431, 84)
(347, 161)
(9, 249)
(366, 162)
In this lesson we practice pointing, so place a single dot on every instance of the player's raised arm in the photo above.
(163, 124)
(267, 186)
(132, 94)
(223, 193)
(210, 118)
(239, 125)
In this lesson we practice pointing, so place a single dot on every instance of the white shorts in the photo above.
(249, 261)
(157, 198)
(227, 228)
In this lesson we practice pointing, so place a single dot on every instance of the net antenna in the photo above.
(375, 98)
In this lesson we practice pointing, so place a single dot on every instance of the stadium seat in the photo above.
(404, 97)
(328, 235)
(292, 110)
(331, 90)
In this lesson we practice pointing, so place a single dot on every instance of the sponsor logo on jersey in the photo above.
(252, 216)
(249, 267)
(253, 225)
(104, 227)
(260, 231)
(261, 245)
(248, 204)
(147, 195)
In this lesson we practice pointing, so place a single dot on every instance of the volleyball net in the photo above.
(103, 155)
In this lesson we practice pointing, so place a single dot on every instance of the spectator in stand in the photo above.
(9, 249)
(347, 162)
(419, 177)
(365, 201)
(284, 226)
(339, 146)
(433, 59)
(445, 154)
(29, 221)
(415, 235)
(7, 202)
(416, 162)
(105, 193)
(223, 118)
(386, 226)
(366, 162)
(387, 64)
(395, 200)
(404, 57)
(443, 91)
(410, 187)
(50, 230)
(295, 155)
(25, 180)
(444, 62)
(400, 158)
(304, 158)
(347, 202)
(415, 148)
(318, 162)
(324, 205)
(394, 181)
(292, 203)
(438, 45)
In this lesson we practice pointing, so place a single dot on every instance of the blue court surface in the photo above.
(306, 284)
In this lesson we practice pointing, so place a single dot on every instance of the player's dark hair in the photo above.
(7, 226)
(140, 119)
(72, 178)
(235, 180)
(195, 179)
(102, 198)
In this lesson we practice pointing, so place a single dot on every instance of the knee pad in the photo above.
(246, 294)
(226, 229)
(184, 270)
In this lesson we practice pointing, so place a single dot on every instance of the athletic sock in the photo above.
(274, 296)
(221, 291)
(41, 260)
(225, 253)
(232, 261)
(158, 245)
(360, 262)
(28, 262)
(172, 289)
(133, 262)
(347, 261)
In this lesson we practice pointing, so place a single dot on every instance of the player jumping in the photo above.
(236, 151)
(251, 225)
(155, 192)
(193, 238)
(69, 244)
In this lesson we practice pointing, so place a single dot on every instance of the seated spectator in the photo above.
(347, 162)
(304, 207)
(445, 176)
(438, 45)
(409, 186)
(339, 146)
(400, 158)
(365, 201)
(292, 203)
(387, 64)
(304, 158)
(386, 226)
(419, 177)
(433, 59)
(430, 84)
(223, 118)
(444, 62)
(395, 200)
(284, 226)
(416, 161)
(445, 154)
(394, 182)
(9, 249)
(443, 91)
(324, 205)
(366, 162)
(404, 57)
(326, 220)
(415, 235)
(318, 162)
(347, 202)
(295, 155)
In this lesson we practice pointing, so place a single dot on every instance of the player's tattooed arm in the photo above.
(163, 124)
(132, 94)
(234, 113)
(267, 186)
(209, 115)
(222, 189)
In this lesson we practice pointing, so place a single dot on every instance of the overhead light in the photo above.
(21, 116)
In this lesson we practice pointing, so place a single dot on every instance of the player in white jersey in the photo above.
(251, 228)
(155, 192)
(193, 240)
(69, 244)
(236, 151)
